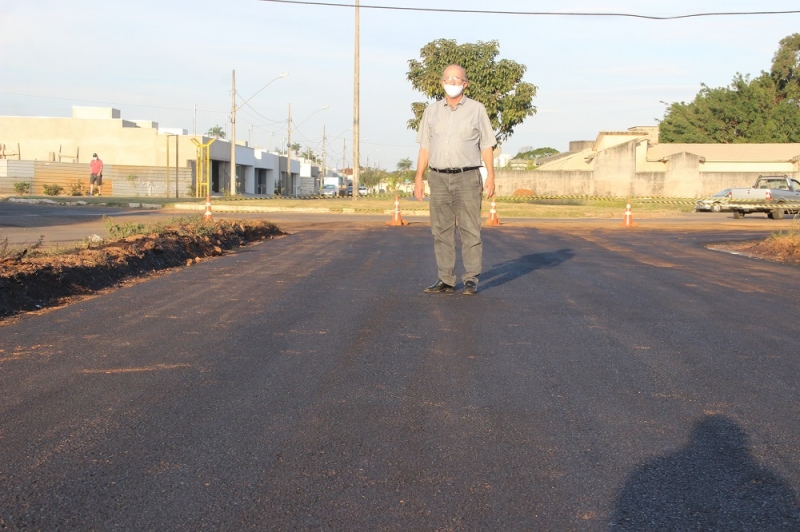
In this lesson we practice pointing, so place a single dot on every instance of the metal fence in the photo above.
(118, 180)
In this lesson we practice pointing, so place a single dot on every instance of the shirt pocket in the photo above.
(468, 132)
(439, 128)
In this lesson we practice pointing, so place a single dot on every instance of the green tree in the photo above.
(530, 154)
(748, 111)
(496, 84)
(786, 68)
(296, 148)
(762, 109)
(404, 165)
(370, 177)
(217, 132)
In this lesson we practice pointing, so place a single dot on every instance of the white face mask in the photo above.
(453, 91)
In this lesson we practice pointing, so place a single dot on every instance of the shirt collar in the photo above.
(461, 102)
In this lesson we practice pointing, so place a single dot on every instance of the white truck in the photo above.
(773, 194)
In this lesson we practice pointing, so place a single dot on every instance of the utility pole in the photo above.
(344, 154)
(233, 134)
(288, 150)
(324, 173)
(195, 119)
(356, 106)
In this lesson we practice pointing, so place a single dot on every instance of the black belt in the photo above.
(453, 170)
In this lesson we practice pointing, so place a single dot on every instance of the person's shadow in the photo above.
(512, 269)
(713, 483)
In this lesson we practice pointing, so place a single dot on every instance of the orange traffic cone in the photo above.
(493, 219)
(396, 218)
(628, 220)
(207, 214)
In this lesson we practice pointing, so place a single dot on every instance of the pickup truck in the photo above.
(773, 194)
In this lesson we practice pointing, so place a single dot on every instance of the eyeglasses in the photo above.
(455, 79)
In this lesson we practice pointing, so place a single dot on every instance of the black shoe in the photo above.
(439, 287)
(470, 288)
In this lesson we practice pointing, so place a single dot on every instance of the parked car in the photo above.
(716, 203)
(773, 194)
(361, 190)
(330, 191)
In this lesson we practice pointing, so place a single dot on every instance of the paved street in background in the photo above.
(601, 379)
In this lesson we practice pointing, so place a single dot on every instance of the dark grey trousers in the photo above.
(456, 200)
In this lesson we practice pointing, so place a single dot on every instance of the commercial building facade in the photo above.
(141, 143)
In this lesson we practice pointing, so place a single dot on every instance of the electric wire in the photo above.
(541, 13)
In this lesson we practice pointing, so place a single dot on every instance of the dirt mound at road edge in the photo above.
(29, 284)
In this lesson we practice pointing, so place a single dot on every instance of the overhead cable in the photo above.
(541, 13)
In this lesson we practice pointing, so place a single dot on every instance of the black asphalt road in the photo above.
(602, 379)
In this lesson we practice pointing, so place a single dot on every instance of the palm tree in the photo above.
(404, 165)
(296, 148)
(216, 132)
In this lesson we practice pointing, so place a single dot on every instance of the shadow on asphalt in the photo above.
(513, 269)
(714, 483)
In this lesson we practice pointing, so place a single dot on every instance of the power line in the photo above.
(542, 13)
(256, 112)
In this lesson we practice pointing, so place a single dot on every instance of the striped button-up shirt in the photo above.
(454, 138)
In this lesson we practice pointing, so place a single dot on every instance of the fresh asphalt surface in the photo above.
(602, 379)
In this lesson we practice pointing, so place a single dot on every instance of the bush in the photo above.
(22, 187)
(125, 229)
(77, 188)
(53, 190)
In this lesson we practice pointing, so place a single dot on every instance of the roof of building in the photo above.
(576, 160)
(728, 152)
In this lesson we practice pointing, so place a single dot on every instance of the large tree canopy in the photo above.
(786, 68)
(763, 109)
(497, 85)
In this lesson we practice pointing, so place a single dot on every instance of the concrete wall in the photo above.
(681, 179)
(568, 183)
(620, 167)
(75, 139)
(680, 183)
(614, 169)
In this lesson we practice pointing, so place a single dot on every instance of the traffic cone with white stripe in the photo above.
(207, 214)
(396, 218)
(628, 220)
(493, 219)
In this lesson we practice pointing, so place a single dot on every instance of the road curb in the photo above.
(220, 207)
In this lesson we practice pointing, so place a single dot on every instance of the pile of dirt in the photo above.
(29, 282)
(778, 248)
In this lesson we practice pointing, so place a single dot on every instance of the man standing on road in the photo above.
(97, 175)
(454, 135)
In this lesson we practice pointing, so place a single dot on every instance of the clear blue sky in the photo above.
(156, 60)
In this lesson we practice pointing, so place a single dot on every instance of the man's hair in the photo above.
(463, 71)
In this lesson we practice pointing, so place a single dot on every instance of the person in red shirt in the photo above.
(97, 175)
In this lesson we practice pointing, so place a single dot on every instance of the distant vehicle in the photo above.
(716, 203)
(330, 191)
(362, 190)
(773, 194)
(333, 180)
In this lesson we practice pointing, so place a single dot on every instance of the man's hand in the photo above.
(488, 187)
(422, 165)
(419, 189)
